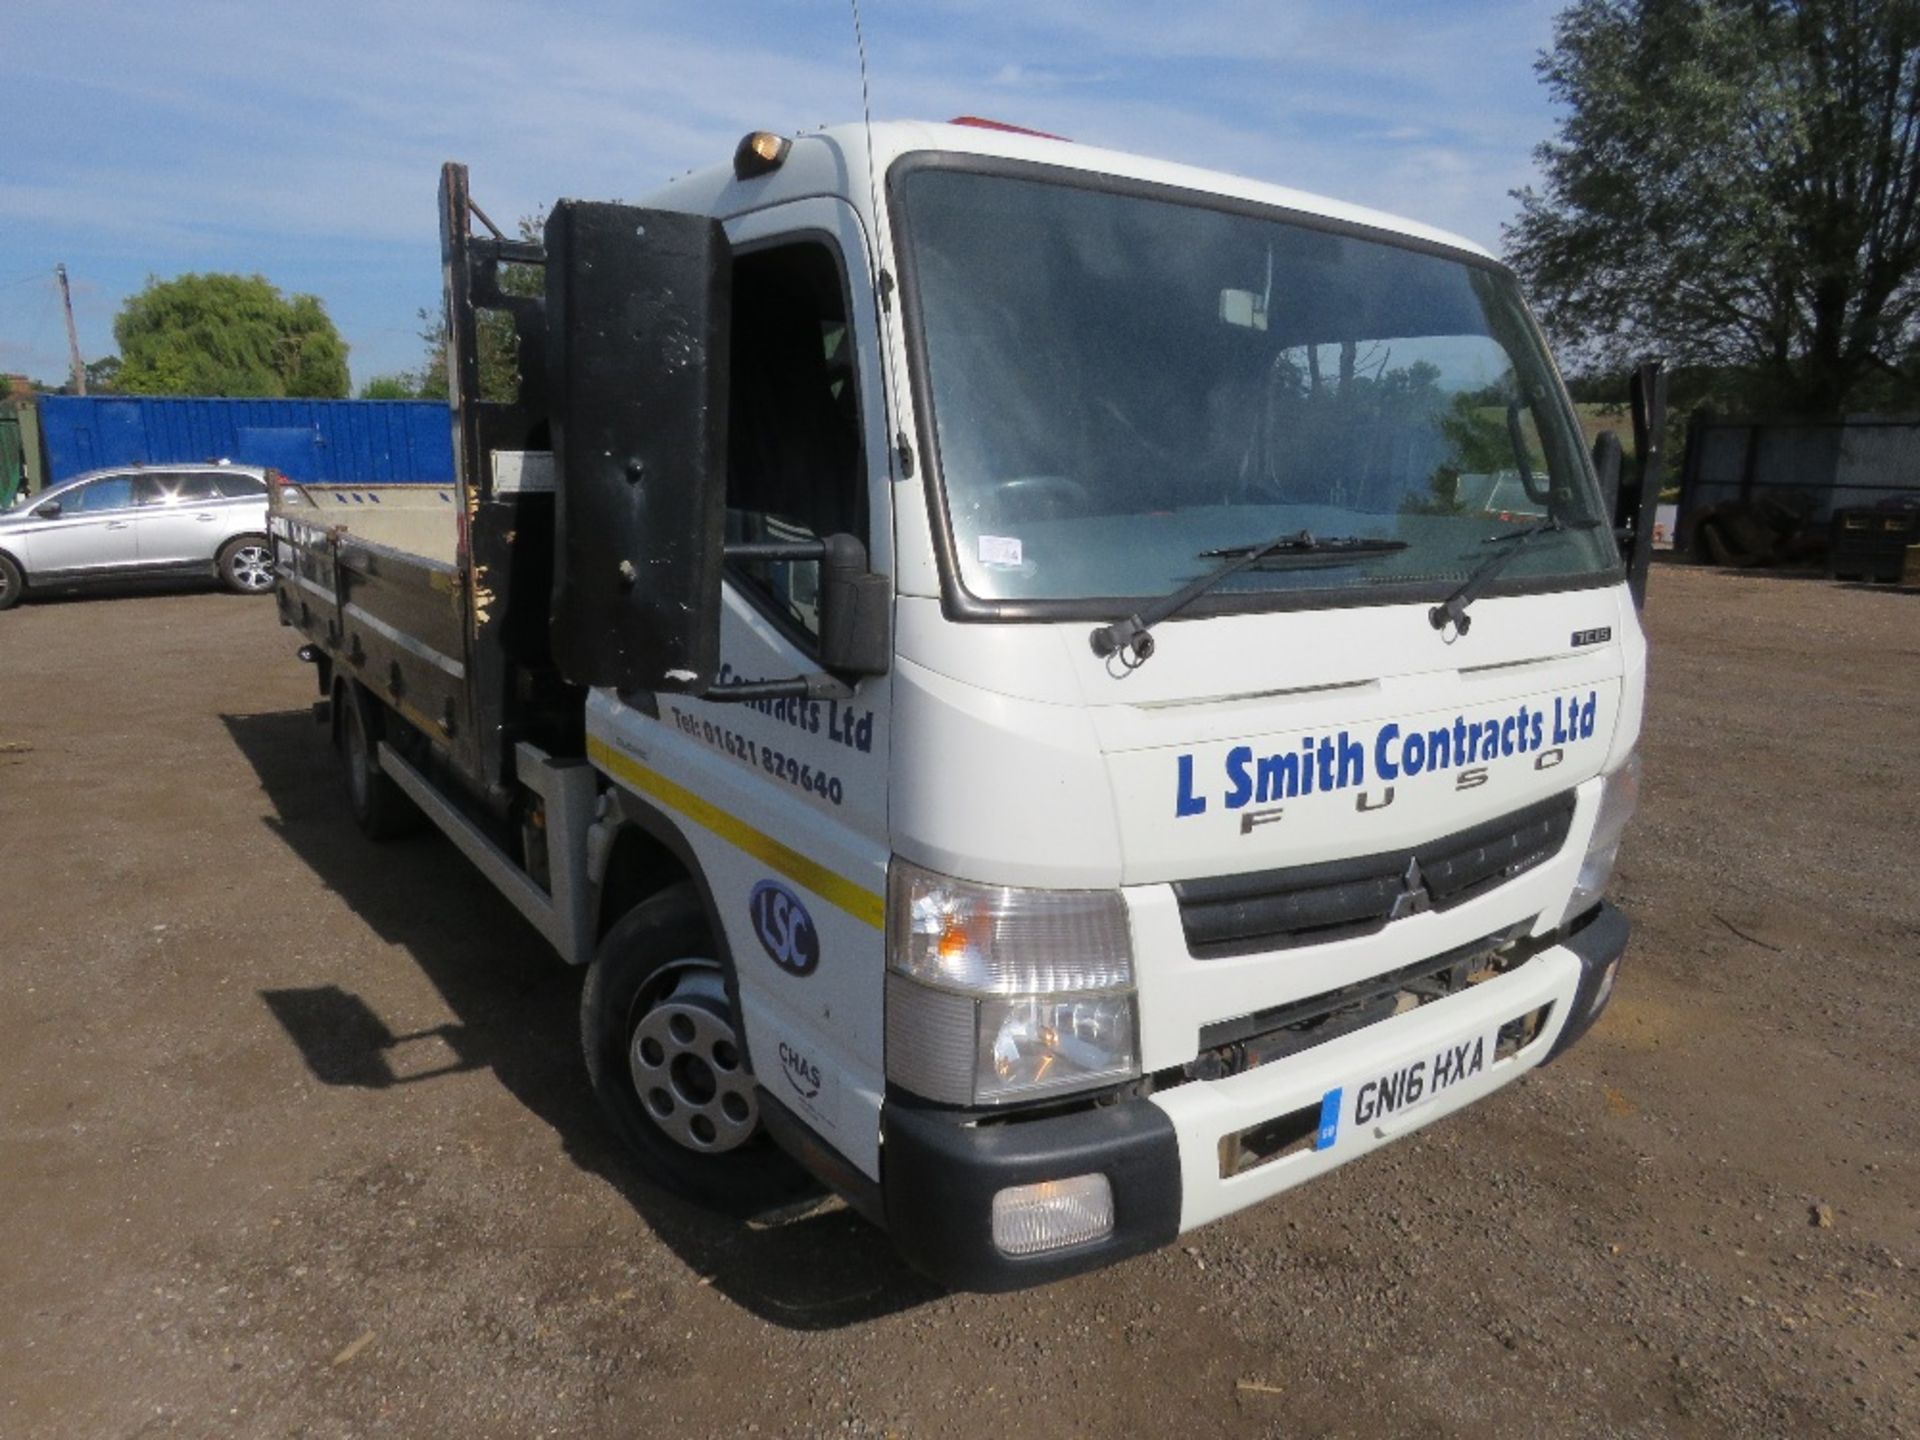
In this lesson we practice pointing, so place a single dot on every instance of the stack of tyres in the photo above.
(1871, 544)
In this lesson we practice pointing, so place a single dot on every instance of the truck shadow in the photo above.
(516, 1015)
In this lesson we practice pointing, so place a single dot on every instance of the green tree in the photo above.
(391, 387)
(1735, 183)
(499, 357)
(227, 335)
(103, 375)
(497, 343)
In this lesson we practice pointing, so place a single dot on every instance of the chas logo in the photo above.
(802, 1074)
(784, 928)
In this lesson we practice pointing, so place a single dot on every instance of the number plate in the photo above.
(1379, 1096)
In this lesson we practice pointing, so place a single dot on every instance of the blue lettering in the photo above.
(1279, 777)
(1384, 767)
(1240, 783)
(1353, 762)
(1186, 802)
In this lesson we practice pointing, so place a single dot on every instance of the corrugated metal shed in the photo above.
(1816, 466)
(342, 442)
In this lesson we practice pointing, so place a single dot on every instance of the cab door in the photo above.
(806, 458)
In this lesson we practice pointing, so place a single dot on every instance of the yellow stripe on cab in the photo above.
(856, 900)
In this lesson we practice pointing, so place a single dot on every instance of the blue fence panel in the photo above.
(342, 442)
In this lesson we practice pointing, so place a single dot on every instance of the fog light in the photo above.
(1052, 1215)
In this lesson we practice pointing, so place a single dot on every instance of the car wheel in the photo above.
(246, 565)
(380, 808)
(668, 1066)
(12, 584)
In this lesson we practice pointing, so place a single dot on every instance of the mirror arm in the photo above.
(855, 605)
(777, 550)
(801, 687)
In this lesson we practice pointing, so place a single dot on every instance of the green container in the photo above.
(12, 454)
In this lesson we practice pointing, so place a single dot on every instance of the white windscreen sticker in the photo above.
(999, 549)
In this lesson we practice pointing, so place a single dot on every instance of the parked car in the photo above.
(138, 523)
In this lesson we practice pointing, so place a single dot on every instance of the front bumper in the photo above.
(940, 1169)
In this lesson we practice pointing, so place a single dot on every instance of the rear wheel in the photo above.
(12, 584)
(667, 1063)
(380, 808)
(246, 564)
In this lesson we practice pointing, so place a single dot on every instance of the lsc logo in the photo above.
(784, 928)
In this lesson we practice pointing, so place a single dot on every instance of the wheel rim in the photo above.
(251, 567)
(687, 1067)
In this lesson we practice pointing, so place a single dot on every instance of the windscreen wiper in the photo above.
(1131, 636)
(1453, 609)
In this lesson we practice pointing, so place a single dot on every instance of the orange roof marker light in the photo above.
(984, 124)
(760, 152)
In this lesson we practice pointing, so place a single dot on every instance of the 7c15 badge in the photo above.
(784, 928)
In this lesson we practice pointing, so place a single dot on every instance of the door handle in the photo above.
(118, 524)
(206, 515)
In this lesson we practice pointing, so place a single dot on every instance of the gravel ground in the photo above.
(295, 1140)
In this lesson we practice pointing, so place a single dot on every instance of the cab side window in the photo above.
(795, 464)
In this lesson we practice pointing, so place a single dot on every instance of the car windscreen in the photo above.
(1126, 387)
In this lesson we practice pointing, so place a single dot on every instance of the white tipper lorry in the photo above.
(1056, 694)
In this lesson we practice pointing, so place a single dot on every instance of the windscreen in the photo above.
(1128, 390)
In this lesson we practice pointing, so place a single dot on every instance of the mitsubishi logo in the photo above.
(1413, 897)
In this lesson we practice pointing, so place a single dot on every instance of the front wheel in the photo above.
(668, 1065)
(12, 584)
(246, 565)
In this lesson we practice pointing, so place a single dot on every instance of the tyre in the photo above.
(380, 808)
(665, 1058)
(245, 565)
(12, 584)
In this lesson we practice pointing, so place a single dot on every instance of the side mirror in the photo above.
(639, 315)
(47, 509)
(854, 634)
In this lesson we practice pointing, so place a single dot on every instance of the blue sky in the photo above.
(303, 142)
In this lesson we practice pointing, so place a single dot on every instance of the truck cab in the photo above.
(1087, 692)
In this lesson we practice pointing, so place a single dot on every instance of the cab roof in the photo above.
(833, 161)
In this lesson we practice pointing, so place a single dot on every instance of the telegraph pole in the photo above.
(73, 339)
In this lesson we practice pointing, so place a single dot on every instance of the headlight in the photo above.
(998, 993)
(1619, 795)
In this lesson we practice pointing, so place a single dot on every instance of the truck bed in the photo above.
(421, 520)
(444, 622)
(371, 575)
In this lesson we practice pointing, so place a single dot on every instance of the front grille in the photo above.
(1311, 904)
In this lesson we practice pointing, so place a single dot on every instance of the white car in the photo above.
(137, 523)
